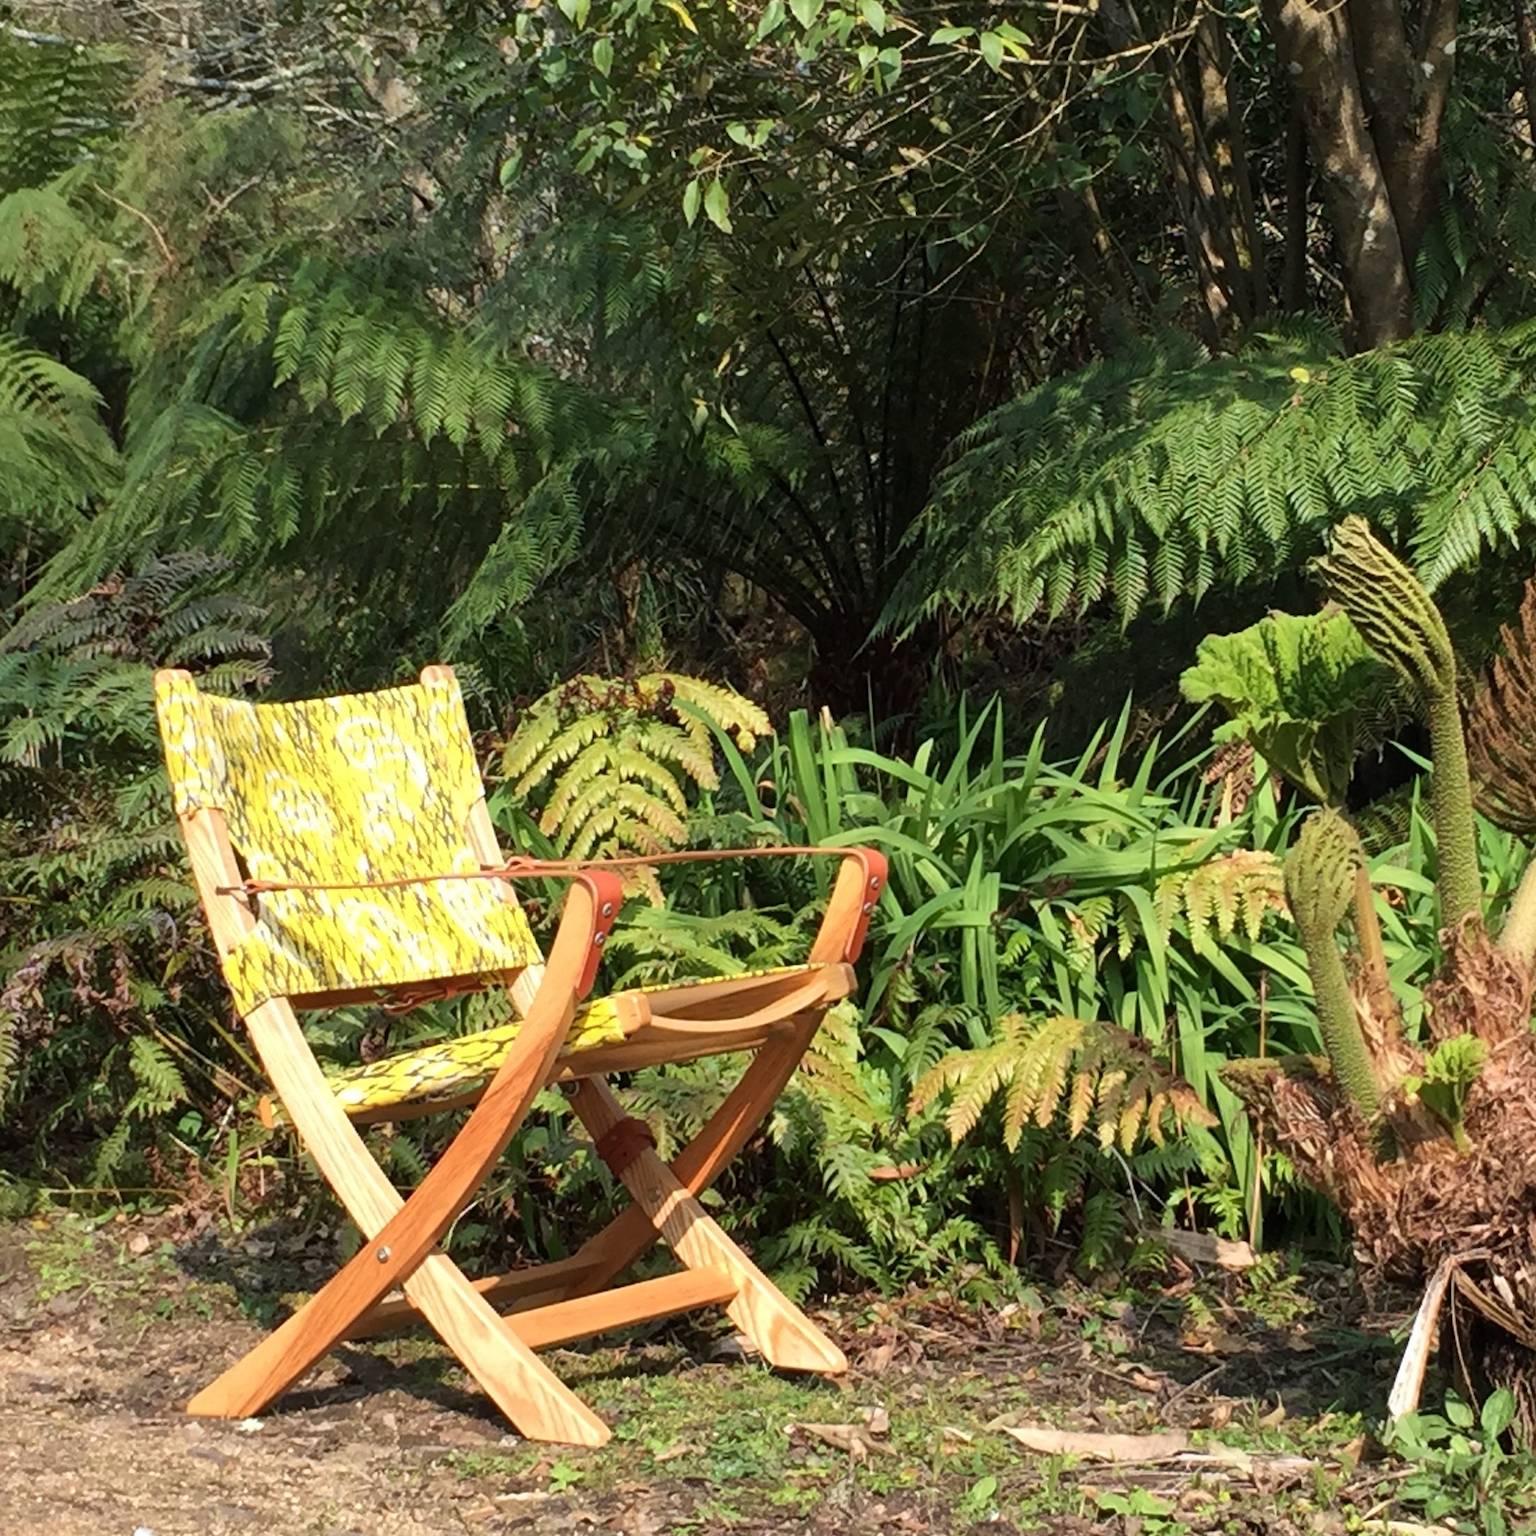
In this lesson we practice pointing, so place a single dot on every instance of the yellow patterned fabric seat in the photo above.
(457, 1070)
(362, 788)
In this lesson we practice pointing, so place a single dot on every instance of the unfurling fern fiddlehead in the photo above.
(1320, 884)
(1400, 622)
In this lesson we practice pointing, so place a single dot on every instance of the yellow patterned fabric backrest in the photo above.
(365, 787)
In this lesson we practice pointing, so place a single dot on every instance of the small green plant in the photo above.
(1462, 1474)
(1151, 1510)
(563, 1476)
(979, 1499)
(1450, 1070)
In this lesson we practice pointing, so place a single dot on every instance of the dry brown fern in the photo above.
(1501, 727)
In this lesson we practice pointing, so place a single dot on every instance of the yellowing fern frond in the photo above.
(612, 759)
(741, 718)
(1100, 1075)
(1235, 891)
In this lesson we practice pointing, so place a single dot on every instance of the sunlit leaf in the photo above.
(717, 206)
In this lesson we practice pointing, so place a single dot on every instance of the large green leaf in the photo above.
(1295, 689)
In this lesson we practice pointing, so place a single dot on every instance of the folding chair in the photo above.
(343, 853)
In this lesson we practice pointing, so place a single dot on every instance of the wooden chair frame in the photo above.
(572, 1298)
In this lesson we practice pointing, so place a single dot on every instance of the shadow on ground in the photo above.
(106, 1329)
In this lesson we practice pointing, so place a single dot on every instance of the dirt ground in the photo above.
(106, 1329)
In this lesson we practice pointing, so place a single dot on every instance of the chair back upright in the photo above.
(360, 788)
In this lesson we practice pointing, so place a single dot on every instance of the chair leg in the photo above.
(400, 1235)
(533, 1398)
(535, 1401)
(782, 1333)
(611, 1251)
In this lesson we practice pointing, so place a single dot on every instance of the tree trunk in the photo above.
(1211, 251)
(1525, 43)
(1315, 48)
(1209, 169)
(1405, 94)
(1105, 285)
(1228, 148)
(1298, 181)
(881, 678)
(1386, 71)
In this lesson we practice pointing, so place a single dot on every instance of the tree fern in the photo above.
(55, 454)
(58, 101)
(277, 412)
(1140, 482)
(108, 1018)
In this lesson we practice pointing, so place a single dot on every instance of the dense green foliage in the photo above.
(1298, 691)
(1152, 478)
(869, 361)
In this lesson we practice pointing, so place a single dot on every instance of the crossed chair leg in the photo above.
(573, 1297)
(399, 1238)
(780, 1331)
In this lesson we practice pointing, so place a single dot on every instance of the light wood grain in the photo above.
(746, 994)
(728, 1130)
(655, 1040)
(583, 1316)
(611, 1251)
(784, 1335)
(517, 1289)
(855, 894)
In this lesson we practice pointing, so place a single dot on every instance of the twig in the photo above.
(42, 39)
(171, 259)
(218, 206)
(1196, 1384)
(276, 77)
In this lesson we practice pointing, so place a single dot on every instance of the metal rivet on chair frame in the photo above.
(607, 909)
(600, 938)
(383, 1255)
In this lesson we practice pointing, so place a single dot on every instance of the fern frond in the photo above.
(613, 756)
(1095, 1072)
(1231, 891)
(1138, 479)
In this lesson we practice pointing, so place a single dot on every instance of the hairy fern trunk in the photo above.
(1427, 1147)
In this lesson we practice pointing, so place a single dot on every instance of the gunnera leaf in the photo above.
(1297, 689)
